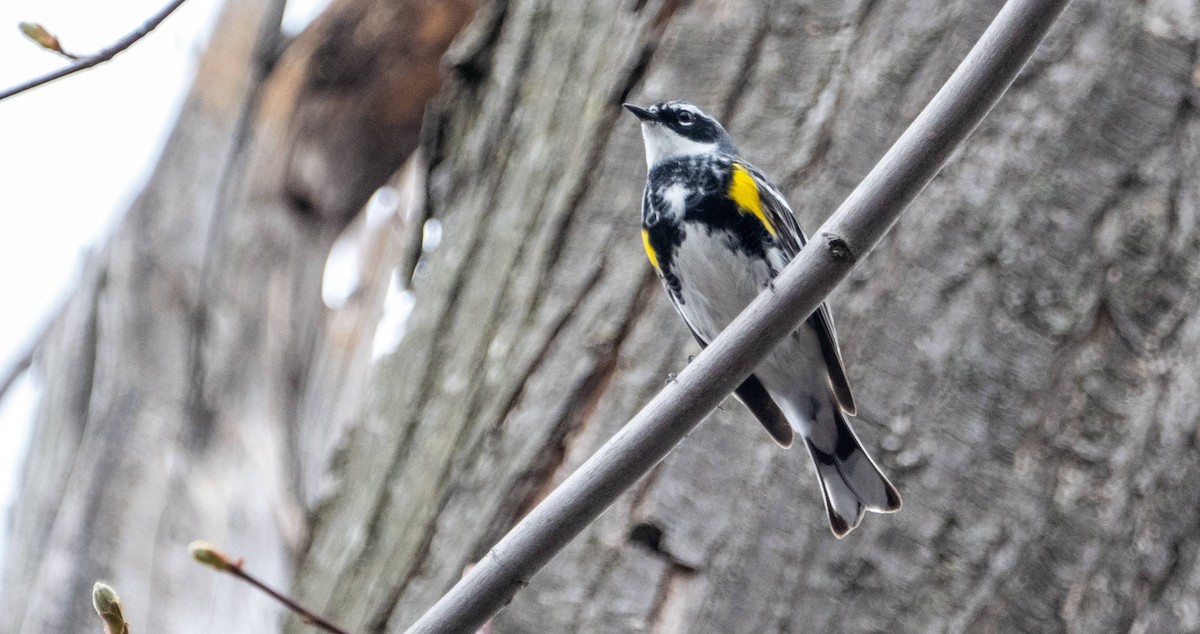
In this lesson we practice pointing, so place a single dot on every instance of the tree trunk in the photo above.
(190, 380)
(1020, 345)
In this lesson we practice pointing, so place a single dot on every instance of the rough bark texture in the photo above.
(177, 402)
(1021, 345)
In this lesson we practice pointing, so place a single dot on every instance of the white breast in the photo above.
(717, 282)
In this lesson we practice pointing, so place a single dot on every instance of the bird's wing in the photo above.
(791, 237)
(755, 397)
(752, 394)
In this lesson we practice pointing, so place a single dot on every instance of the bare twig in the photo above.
(84, 63)
(309, 618)
(22, 363)
(846, 238)
(14, 371)
(204, 553)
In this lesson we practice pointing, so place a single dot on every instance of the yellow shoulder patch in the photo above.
(649, 249)
(744, 191)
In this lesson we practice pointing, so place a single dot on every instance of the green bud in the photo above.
(204, 553)
(108, 606)
(43, 38)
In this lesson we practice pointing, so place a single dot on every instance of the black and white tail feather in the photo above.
(851, 482)
(801, 389)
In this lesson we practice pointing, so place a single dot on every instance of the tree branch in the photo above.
(866, 215)
(84, 63)
(23, 362)
(14, 371)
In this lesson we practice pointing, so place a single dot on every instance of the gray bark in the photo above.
(1020, 344)
(176, 400)
(109, 490)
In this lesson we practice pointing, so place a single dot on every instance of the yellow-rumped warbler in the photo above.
(717, 232)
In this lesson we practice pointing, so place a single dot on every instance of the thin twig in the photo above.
(206, 554)
(869, 212)
(84, 63)
(15, 371)
(305, 615)
(22, 363)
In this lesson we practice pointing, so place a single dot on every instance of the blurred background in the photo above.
(113, 119)
(250, 314)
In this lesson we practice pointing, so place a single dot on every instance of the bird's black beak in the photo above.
(640, 112)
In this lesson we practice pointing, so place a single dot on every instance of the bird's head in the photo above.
(678, 129)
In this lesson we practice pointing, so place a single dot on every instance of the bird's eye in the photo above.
(686, 118)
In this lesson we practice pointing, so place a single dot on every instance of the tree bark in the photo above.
(177, 399)
(1020, 345)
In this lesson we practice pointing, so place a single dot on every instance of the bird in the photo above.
(717, 232)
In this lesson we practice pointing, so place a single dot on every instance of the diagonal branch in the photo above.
(84, 63)
(872, 208)
(309, 618)
(204, 552)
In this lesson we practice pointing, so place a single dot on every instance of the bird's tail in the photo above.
(851, 483)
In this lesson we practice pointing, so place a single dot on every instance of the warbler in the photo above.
(718, 232)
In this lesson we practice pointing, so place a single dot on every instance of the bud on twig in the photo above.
(43, 38)
(204, 553)
(108, 606)
(46, 40)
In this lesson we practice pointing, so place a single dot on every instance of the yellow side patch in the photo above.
(744, 192)
(649, 249)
